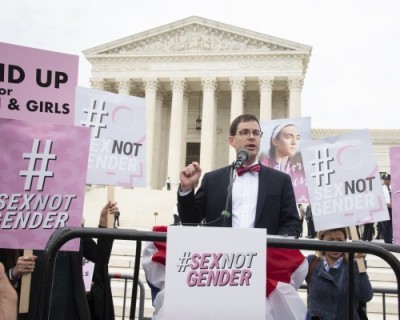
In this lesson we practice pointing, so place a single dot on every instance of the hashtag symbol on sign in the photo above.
(184, 262)
(34, 158)
(322, 166)
(95, 116)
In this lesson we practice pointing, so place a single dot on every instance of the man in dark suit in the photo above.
(261, 198)
(387, 227)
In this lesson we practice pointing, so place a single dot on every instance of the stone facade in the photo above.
(197, 68)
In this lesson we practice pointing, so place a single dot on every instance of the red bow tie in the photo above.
(253, 168)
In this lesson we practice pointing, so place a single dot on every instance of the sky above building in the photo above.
(352, 80)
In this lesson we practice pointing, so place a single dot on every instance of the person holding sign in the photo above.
(8, 297)
(261, 197)
(328, 281)
(69, 298)
(16, 264)
(100, 295)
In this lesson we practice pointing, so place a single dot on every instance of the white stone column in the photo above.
(295, 85)
(150, 86)
(237, 88)
(124, 86)
(208, 125)
(176, 131)
(185, 111)
(163, 147)
(265, 86)
(159, 151)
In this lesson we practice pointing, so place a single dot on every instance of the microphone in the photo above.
(241, 158)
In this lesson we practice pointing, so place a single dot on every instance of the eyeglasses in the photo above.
(246, 133)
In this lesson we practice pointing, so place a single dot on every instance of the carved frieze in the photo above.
(197, 38)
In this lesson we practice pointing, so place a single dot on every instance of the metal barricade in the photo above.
(62, 236)
(142, 296)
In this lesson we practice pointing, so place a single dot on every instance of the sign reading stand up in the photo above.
(215, 273)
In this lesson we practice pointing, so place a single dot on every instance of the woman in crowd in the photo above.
(328, 281)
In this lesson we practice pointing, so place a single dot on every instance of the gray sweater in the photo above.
(328, 291)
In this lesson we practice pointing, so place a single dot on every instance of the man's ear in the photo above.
(231, 140)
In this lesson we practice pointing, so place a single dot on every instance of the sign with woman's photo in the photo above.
(280, 150)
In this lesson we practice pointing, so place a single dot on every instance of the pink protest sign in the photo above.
(280, 150)
(36, 84)
(343, 181)
(394, 153)
(42, 181)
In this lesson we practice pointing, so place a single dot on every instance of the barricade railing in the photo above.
(142, 296)
(61, 236)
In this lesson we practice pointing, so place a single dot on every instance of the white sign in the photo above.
(87, 273)
(215, 273)
(118, 142)
(343, 181)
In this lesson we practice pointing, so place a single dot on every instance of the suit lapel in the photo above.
(263, 190)
(225, 183)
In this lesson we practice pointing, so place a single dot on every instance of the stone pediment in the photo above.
(197, 35)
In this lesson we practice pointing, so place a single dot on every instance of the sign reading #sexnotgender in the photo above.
(42, 181)
(36, 84)
(343, 181)
(204, 269)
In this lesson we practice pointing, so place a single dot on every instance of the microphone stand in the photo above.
(226, 214)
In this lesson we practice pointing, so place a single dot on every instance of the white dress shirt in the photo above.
(244, 199)
(386, 194)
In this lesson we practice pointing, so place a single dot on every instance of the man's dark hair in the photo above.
(247, 117)
(386, 176)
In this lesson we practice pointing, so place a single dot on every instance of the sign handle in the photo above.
(25, 287)
(360, 261)
(110, 197)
